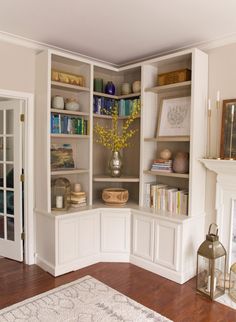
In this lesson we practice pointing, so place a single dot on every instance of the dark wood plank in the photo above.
(179, 303)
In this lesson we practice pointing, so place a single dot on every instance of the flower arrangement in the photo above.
(117, 138)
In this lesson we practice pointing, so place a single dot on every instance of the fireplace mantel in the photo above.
(225, 198)
(221, 167)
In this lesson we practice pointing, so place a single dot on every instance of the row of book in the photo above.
(105, 106)
(65, 124)
(163, 197)
(162, 165)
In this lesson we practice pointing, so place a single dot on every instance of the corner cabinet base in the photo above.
(166, 246)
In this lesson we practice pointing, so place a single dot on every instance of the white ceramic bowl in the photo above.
(72, 106)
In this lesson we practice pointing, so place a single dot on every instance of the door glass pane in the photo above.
(1, 201)
(1, 176)
(10, 202)
(9, 176)
(9, 149)
(1, 148)
(10, 229)
(1, 227)
(9, 121)
(1, 122)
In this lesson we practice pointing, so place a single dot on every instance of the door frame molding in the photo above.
(28, 138)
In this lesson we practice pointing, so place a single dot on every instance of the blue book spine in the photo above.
(65, 124)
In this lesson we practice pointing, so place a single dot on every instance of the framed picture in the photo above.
(228, 130)
(174, 119)
(62, 157)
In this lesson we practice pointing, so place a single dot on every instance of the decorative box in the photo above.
(68, 78)
(177, 76)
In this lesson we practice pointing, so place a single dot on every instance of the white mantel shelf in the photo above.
(225, 198)
(221, 167)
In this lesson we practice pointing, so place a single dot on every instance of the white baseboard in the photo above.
(45, 265)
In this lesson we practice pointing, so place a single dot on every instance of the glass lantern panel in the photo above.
(211, 276)
(232, 285)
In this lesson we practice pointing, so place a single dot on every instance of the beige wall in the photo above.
(17, 67)
(222, 77)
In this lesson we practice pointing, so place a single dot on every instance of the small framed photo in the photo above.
(174, 119)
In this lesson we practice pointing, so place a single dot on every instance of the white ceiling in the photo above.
(119, 31)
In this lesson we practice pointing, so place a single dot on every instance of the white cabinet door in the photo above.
(115, 231)
(166, 247)
(67, 240)
(143, 236)
(88, 234)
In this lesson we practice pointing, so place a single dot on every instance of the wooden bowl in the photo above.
(115, 196)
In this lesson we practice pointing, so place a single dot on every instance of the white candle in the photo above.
(209, 104)
(59, 202)
(218, 96)
(77, 187)
(209, 284)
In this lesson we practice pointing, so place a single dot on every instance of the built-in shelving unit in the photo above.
(68, 171)
(131, 156)
(168, 88)
(116, 97)
(108, 178)
(68, 112)
(168, 139)
(69, 87)
(167, 174)
(69, 136)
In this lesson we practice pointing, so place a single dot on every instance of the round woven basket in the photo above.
(115, 196)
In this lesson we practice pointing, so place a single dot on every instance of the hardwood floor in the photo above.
(179, 303)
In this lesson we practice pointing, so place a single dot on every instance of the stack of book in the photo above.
(78, 199)
(126, 106)
(162, 197)
(65, 124)
(162, 165)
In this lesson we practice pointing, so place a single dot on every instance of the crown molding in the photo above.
(39, 46)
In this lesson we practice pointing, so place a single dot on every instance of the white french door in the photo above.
(11, 198)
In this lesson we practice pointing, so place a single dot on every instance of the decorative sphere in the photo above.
(181, 162)
(165, 154)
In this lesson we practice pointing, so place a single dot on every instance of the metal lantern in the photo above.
(232, 282)
(211, 266)
(60, 194)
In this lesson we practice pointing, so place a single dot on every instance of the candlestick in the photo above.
(209, 130)
(217, 124)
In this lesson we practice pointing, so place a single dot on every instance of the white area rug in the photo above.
(226, 300)
(84, 300)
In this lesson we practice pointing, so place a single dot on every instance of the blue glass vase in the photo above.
(110, 88)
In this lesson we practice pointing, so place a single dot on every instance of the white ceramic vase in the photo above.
(136, 87)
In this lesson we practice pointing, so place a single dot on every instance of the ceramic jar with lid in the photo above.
(125, 89)
(58, 102)
(136, 86)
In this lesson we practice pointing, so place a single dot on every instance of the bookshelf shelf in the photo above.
(169, 139)
(69, 87)
(169, 88)
(109, 117)
(117, 97)
(167, 174)
(69, 171)
(69, 136)
(106, 178)
(67, 112)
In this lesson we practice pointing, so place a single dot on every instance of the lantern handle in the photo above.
(209, 231)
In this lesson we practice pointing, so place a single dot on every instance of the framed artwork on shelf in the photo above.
(174, 117)
(228, 130)
(62, 157)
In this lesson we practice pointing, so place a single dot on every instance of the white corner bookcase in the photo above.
(155, 240)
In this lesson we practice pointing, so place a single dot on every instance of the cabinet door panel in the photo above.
(67, 240)
(166, 244)
(88, 236)
(143, 233)
(115, 232)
